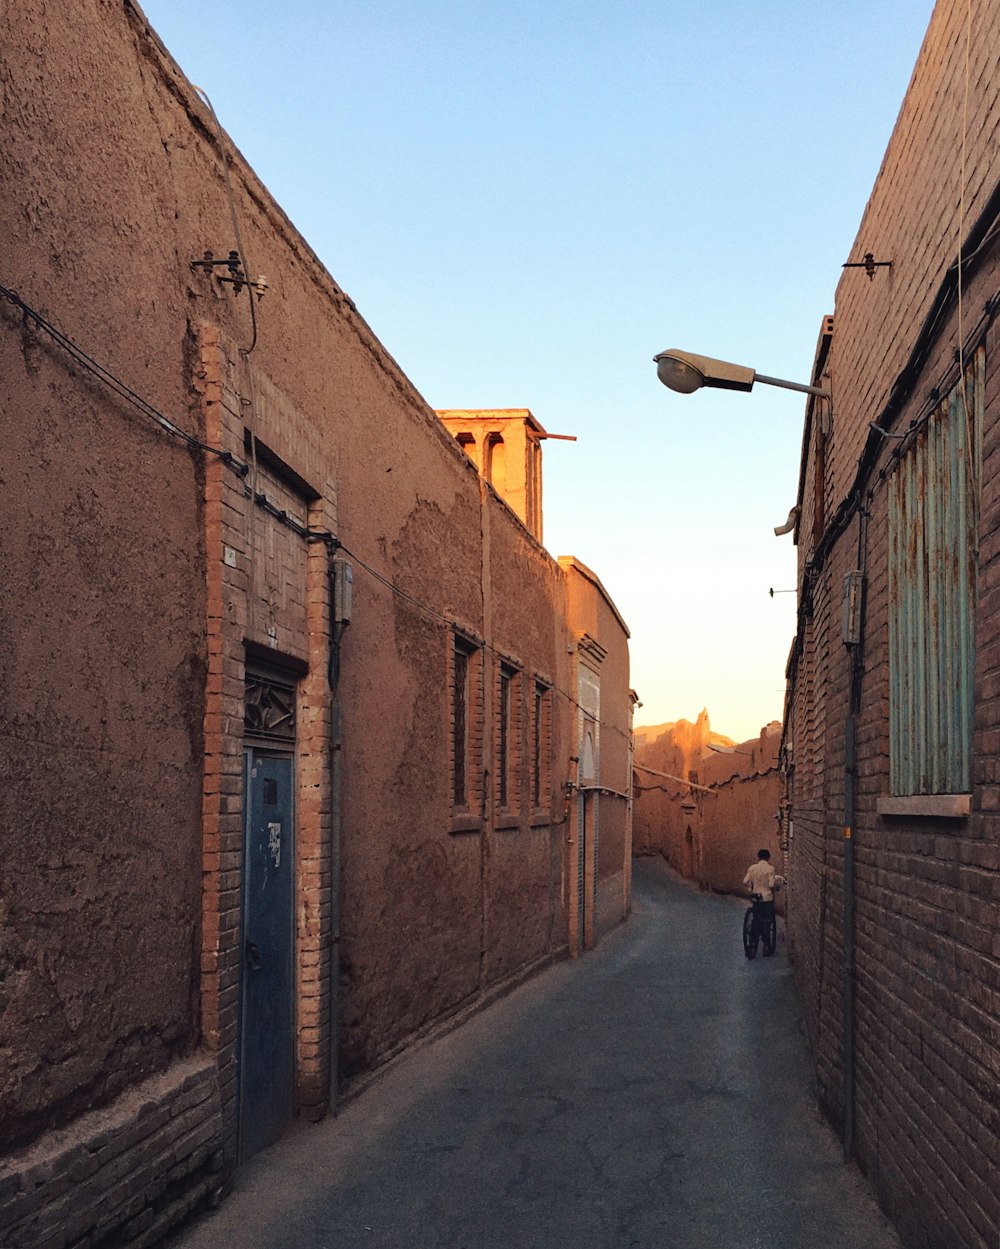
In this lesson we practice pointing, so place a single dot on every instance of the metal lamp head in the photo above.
(678, 374)
(685, 372)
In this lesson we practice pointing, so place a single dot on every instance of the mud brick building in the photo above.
(293, 701)
(705, 803)
(893, 721)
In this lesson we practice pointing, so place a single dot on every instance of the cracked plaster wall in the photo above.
(110, 184)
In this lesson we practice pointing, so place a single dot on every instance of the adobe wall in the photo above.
(102, 655)
(138, 580)
(742, 820)
(923, 1105)
(495, 892)
(666, 809)
(711, 828)
(526, 903)
(593, 617)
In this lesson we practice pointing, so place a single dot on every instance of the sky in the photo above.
(527, 201)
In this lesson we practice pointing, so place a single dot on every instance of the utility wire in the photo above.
(241, 468)
(122, 389)
(451, 622)
(668, 776)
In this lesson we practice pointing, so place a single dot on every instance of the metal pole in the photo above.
(855, 649)
(336, 807)
(806, 390)
(848, 985)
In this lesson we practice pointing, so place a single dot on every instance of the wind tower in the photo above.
(505, 446)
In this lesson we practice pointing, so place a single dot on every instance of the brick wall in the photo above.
(122, 1175)
(269, 589)
(926, 1130)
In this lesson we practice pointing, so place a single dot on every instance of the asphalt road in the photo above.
(655, 1093)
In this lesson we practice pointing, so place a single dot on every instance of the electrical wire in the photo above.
(242, 469)
(451, 623)
(303, 531)
(709, 789)
(668, 776)
(149, 410)
(122, 389)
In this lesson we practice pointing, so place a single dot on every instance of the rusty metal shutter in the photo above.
(933, 505)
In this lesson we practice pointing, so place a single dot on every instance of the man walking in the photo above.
(764, 880)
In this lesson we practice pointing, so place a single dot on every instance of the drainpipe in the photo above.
(853, 636)
(341, 609)
(850, 788)
(335, 826)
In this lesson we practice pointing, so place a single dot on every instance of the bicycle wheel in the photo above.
(750, 934)
(770, 936)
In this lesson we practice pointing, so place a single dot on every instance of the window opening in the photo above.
(933, 522)
(503, 762)
(508, 738)
(460, 721)
(541, 742)
(495, 470)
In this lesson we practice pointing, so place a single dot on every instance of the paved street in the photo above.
(654, 1094)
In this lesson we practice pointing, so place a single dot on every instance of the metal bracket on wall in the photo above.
(237, 277)
(869, 264)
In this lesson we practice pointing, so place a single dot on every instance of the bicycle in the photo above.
(757, 929)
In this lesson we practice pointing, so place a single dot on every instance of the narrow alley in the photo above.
(655, 1093)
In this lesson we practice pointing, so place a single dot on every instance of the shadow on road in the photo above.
(655, 1093)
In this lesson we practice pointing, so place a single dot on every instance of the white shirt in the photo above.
(763, 879)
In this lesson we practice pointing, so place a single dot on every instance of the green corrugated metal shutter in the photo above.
(933, 509)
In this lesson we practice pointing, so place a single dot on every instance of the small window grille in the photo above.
(269, 713)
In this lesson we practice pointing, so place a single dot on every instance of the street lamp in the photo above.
(685, 372)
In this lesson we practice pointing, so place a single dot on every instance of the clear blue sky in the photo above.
(528, 200)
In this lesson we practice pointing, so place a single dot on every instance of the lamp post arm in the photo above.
(806, 390)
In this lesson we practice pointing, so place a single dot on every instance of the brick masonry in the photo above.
(926, 1124)
(269, 587)
(122, 1175)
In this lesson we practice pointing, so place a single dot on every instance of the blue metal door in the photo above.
(267, 1030)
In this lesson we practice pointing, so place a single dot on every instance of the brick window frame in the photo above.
(465, 730)
(540, 751)
(508, 751)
